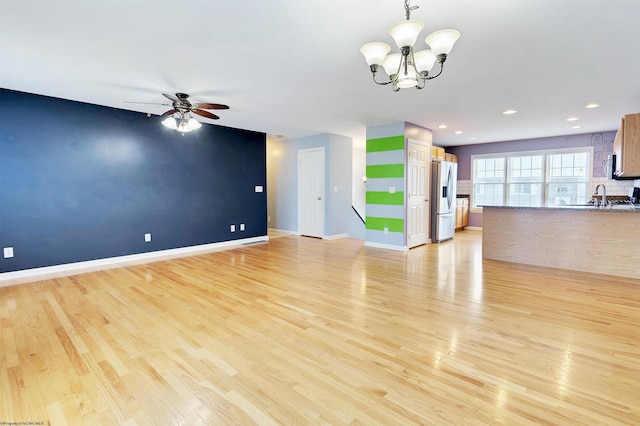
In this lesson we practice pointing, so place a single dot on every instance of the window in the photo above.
(531, 179)
(488, 181)
(525, 180)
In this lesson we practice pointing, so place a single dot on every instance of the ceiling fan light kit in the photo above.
(408, 69)
(181, 123)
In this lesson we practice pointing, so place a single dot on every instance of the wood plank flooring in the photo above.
(303, 331)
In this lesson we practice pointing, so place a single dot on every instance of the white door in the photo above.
(311, 192)
(418, 212)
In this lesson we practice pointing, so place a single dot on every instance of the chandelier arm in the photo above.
(441, 59)
(383, 83)
(431, 77)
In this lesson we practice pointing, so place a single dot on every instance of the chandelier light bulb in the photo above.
(425, 59)
(441, 42)
(405, 33)
(392, 63)
(407, 78)
(375, 52)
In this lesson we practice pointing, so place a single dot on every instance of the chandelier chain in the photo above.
(408, 9)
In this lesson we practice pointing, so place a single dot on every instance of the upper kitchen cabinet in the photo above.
(626, 148)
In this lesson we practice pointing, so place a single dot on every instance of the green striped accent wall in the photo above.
(379, 223)
(379, 197)
(391, 143)
(385, 171)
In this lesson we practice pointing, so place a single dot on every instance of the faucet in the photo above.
(603, 203)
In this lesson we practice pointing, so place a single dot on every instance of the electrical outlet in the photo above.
(8, 252)
(259, 188)
(147, 237)
(233, 228)
(386, 230)
(392, 190)
(242, 226)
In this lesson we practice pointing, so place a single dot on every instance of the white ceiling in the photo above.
(293, 67)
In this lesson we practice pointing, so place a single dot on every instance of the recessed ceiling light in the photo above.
(592, 105)
(459, 132)
(442, 126)
(576, 127)
(509, 112)
(573, 119)
(472, 138)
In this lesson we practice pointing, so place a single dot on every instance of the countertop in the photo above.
(618, 208)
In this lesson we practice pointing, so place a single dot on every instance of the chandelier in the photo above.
(408, 68)
(182, 122)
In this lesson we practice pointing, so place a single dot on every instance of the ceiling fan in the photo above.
(179, 116)
(182, 105)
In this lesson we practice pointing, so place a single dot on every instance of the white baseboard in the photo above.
(386, 246)
(282, 231)
(335, 237)
(49, 272)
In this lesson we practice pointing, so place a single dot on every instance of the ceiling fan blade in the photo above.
(170, 112)
(145, 103)
(205, 114)
(211, 106)
(173, 98)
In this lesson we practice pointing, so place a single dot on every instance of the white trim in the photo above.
(335, 237)
(473, 228)
(386, 246)
(282, 231)
(48, 272)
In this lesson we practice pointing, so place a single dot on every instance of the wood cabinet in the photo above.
(626, 148)
(462, 213)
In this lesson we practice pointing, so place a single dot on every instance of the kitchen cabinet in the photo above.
(437, 153)
(462, 213)
(626, 148)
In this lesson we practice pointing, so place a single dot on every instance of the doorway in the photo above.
(418, 207)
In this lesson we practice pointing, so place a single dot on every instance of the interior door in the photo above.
(418, 162)
(311, 192)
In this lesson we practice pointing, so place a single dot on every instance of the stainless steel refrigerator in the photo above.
(443, 200)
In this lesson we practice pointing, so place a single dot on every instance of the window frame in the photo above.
(506, 156)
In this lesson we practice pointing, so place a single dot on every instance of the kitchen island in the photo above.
(588, 239)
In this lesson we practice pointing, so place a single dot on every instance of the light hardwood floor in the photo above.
(306, 331)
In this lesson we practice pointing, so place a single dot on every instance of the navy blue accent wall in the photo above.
(83, 182)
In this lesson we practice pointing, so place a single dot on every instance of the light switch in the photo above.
(392, 190)
(259, 188)
(8, 252)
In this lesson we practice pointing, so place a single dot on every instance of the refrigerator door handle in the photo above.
(449, 187)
